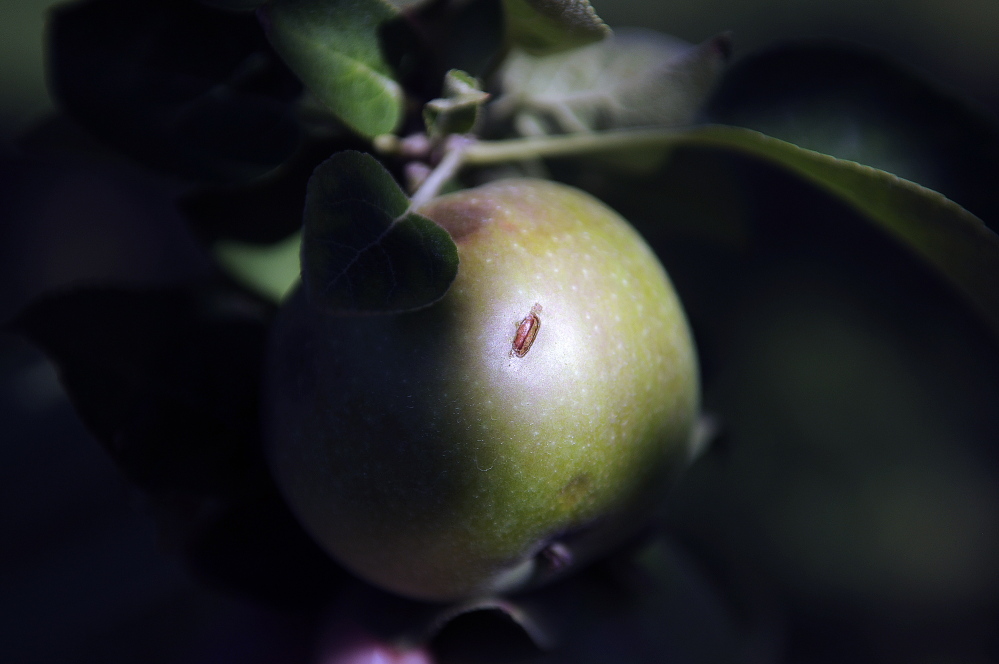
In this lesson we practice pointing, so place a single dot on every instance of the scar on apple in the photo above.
(527, 331)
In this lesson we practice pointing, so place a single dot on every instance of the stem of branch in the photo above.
(463, 150)
(494, 152)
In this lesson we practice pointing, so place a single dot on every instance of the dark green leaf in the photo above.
(463, 35)
(176, 85)
(642, 607)
(863, 106)
(636, 78)
(266, 210)
(335, 46)
(550, 26)
(234, 5)
(943, 233)
(169, 381)
(363, 251)
(166, 380)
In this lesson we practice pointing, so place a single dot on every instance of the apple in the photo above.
(508, 434)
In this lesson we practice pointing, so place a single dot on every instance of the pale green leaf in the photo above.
(636, 78)
(550, 26)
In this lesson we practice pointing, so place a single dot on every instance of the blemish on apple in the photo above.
(527, 332)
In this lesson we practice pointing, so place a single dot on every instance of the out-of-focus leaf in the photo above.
(269, 270)
(168, 381)
(636, 78)
(335, 47)
(175, 85)
(550, 26)
(645, 605)
(362, 249)
(943, 233)
(266, 210)
(863, 106)
(457, 111)
(234, 5)
(164, 379)
(857, 483)
(463, 35)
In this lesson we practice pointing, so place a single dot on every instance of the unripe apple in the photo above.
(527, 422)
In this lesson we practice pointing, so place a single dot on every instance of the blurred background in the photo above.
(858, 474)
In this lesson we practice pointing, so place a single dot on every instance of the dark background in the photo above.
(83, 577)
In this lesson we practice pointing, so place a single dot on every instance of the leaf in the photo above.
(266, 210)
(335, 47)
(179, 87)
(363, 251)
(234, 5)
(168, 381)
(863, 106)
(636, 78)
(943, 233)
(269, 270)
(458, 110)
(551, 26)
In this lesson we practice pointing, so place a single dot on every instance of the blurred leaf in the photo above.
(646, 605)
(166, 380)
(944, 234)
(463, 35)
(636, 78)
(362, 249)
(177, 86)
(863, 106)
(550, 26)
(457, 111)
(234, 5)
(335, 46)
(857, 485)
(266, 210)
(169, 381)
(269, 270)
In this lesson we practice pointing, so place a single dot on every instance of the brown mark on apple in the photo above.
(527, 331)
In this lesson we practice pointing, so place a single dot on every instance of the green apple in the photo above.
(526, 423)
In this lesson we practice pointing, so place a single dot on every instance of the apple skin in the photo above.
(424, 455)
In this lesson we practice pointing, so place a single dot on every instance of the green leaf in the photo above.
(177, 86)
(458, 110)
(943, 233)
(363, 251)
(636, 78)
(268, 270)
(863, 106)
(335, 47)
(550, 26)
